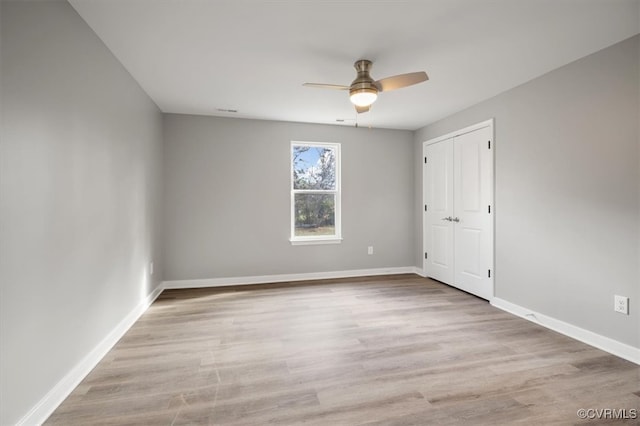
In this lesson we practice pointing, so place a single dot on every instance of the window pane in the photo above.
(315, 214)
(314, 167)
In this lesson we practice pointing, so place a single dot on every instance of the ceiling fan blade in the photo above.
(326, 86)
(361, 109)
(400, 81)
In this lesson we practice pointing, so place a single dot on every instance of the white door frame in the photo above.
(488, 123)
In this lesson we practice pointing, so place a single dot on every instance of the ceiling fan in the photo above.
(364, 90)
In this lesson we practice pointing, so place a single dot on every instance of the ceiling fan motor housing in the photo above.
(363, 81)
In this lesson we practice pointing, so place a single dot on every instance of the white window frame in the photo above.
(321, 239)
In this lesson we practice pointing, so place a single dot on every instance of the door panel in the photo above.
(440, 180)
(441, 236)
(473, 235)
(469, 167)
(470, 247)
(438, 196)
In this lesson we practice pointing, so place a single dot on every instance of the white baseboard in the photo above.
(419, 271)
(614, 347)
(47, 405)
(264, 279)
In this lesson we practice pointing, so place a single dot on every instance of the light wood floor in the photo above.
(386, 350)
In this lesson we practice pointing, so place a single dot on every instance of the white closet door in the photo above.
(473, 234)
(458, 218)
(438, 226)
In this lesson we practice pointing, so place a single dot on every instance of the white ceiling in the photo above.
(195, 56)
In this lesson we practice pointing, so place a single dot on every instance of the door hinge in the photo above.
(489, 209)
(488, 144)
(426, 255)
(425, 160)
(489, 273)
(425, 207)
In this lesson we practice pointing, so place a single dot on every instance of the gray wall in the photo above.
(81, 158)
(227, 211)
(567, 190)
(81, 161)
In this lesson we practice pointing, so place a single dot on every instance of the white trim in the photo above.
(419, 271)
(266, 279)
(599, 341)
(462, 131)
(314, 241)
(47, 405)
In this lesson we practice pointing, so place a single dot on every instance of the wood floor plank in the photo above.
(394, 350)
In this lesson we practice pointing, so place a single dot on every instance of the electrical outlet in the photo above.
(150, 268)
(621, 304)
(370, 250)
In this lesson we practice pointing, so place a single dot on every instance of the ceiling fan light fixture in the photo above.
(363, 97)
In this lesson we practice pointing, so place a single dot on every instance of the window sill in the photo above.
(318, 241)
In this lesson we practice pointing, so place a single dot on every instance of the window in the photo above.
(315, 193)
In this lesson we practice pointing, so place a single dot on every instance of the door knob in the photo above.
(449, 218)
(456, 219)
